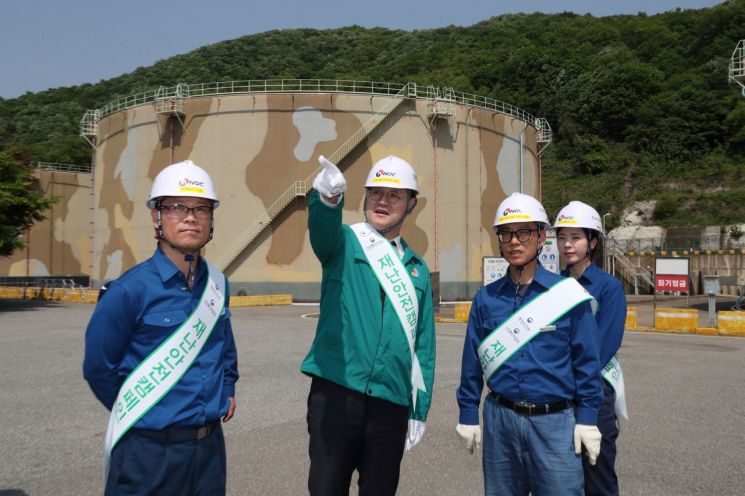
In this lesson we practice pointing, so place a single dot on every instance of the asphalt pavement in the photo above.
(685, 435)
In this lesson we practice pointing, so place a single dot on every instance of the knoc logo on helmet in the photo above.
(382, 172)
(190, 182)
(191, 186)
(566, 220)
(513, 214)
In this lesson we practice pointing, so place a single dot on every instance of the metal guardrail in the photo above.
(737, 64)
(631, 272)
(679, 245)
(72, 168)
(302, 86)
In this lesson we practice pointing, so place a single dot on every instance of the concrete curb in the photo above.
(701, 331)
(91, 296)
(49, 294)
(260, 300)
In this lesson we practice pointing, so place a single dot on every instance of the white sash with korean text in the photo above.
(154, 377)
(525, 324)
(613, 375)
(398, 288)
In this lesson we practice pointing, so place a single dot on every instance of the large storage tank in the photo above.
(260, 142)
(58, 248)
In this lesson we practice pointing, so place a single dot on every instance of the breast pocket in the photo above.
(159, 325)
(417, 278)
(555, 337)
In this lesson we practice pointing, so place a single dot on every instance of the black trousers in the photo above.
(142, 465)
(351, 431)
(601, 479)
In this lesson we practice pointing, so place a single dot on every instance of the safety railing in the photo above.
(630, 272)
(71, 168)
(171, 100)
(313, 86)
(737, 64)
(89, 123)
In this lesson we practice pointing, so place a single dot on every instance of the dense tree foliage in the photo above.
(640, 105)
(20, 204)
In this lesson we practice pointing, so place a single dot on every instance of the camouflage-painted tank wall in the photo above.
(60, 245)
(256, 146)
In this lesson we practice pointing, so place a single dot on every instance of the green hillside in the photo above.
(640, 105)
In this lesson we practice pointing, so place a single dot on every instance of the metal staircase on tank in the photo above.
(301, 188)
(737, 65)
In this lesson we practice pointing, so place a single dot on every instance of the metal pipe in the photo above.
(522, 153)
(606, 262)
(170, 144)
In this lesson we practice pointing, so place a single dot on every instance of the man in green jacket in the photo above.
(373, 357)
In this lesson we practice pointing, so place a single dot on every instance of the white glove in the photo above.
(470, 435)
(330, 181)
(590, 436)
(415, 433)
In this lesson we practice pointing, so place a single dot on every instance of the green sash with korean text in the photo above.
(534, 317)
(399, 289)
(156, 375)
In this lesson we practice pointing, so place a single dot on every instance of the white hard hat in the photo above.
(520, 208)
(182, 179)
(578, 214)
(392, 172)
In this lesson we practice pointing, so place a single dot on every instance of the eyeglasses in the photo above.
(522, 235)
(392, 196)
(178, 211)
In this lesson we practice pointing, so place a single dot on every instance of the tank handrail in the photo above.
(313, 86)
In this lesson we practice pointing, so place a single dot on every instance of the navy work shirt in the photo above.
(561, 364)
(138, 312)
(611, 313)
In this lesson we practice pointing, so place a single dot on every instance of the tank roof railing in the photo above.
(313, 86)
(737, 64)
(71, 168)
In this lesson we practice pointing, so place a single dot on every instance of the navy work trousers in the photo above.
(350, 430)
(601, 479)
(145, 465)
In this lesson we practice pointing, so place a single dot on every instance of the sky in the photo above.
(52, 43)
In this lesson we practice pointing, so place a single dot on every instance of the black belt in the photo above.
(180, 433)
(526, 408)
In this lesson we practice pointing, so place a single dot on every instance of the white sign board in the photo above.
(677, 266)
(549, 257)
(494, 268)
